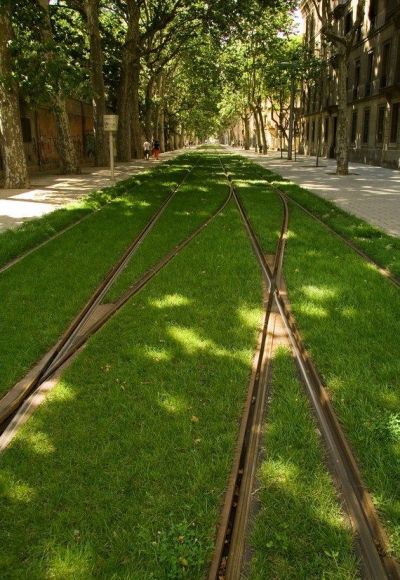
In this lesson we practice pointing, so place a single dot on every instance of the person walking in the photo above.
(146, 149)
(156, 148)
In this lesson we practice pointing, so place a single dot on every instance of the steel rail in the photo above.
(15, 399)
(385, 272)
(11, 400)
(229, 546)
(17, 259)
(371, 535)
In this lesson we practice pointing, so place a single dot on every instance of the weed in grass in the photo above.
(299, 531)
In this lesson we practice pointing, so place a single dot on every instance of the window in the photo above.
(398, 63)
(26, 130)
(373, 11)
(326, 130)
(357, 74)
(385, 64)
(394, 126)
(353, 127)
(380, 124)
(366, 126)
(370, 73)
(348, 22)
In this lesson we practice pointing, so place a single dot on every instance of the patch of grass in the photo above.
(31, 233)
(299, 531)
(122, 471)
(348, 315)
(202, 194)
(259, 200)
(383, 248)
(41, 294)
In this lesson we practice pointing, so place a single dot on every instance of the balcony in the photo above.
(391, 89)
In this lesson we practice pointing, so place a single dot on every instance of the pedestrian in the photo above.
(156, 148)
(146, 149)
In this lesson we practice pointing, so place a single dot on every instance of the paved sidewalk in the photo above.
(50, 191)
(369, 192)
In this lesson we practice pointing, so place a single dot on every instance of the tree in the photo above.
(341, 46)
(90, 11)
(68, 156)
(12, 147)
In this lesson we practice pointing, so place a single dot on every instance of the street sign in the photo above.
(110, 122)
(110, 126)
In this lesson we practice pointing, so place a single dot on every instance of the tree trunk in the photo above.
(68, 157)
(258, 138)
(246, 123)
(262, 128)
(161, 117)
(291, 116)
(136, 127)
(342, 148)
(96, 72)
(12, 146)
(125, 104)
(148, 116)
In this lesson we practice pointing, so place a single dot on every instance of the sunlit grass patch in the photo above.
(144, 447)
(53, 283)
(383, 248)
(300, 530)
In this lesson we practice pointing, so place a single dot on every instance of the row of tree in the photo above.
(168, 68)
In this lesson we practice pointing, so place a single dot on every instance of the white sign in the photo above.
(110, 122)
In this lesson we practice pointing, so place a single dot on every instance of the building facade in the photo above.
(39, 134)
(373, 85)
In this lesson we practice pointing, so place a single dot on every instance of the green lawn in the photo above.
(381, 247)
(121, 473)
(348, 315)
(43, 293)
(299, 531)
(33, 232)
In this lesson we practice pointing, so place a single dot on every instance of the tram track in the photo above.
(18, 403)
(385, 272)
(231, 537)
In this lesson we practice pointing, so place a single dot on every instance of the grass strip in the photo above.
(349, 319)
(201, 195)
(121, 473)
(253, 189)
(382, 247)
(300, 530)
(15, 242)
(41, 294)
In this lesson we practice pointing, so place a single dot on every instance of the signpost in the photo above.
(111, 126)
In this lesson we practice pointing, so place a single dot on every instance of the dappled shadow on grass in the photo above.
(299, 531)
(143, 442)
(348, 316)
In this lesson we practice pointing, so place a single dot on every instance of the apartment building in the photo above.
(373, 84)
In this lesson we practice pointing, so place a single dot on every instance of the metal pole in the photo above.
(111, 142)
(291, 114)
